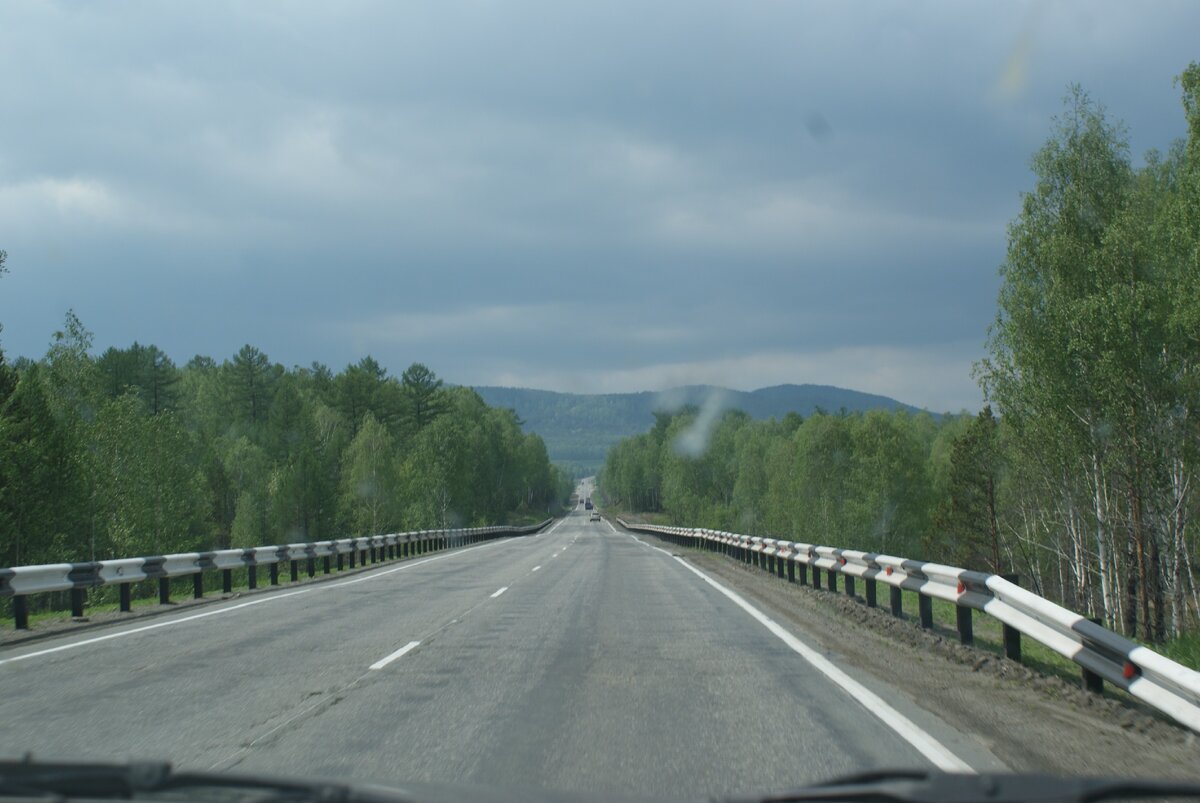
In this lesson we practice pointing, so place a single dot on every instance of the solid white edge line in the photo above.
(498, 593)
(259, 601)
(382, 662)
(535, 568)
(904, 727)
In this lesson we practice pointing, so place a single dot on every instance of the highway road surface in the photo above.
(579, 659)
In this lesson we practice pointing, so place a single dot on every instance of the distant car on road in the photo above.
(595, 515)
(587, 505)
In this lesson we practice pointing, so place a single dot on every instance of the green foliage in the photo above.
(966, 522)
(365, 388)
(145, 370)
(147, 491)
(422, 397)
(854, 480)
(126, 454)
(43, 495)
(370, 480)
(250, 383)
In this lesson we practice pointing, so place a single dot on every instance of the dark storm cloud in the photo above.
(604, 196)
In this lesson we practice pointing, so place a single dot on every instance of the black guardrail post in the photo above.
(1012, 636)
(816, 578)
(791, 569)
(966, 625)
(897, 601)
(164, 591)
(125, 602)
(341, 562)
(198, 585)
(312, 566)
(833, 580)
(849, 585)
(21, 613)
(925, 608)
(1091, 681)
(294, 570)
(252, 576)
(274, 572)
(82, 576)
(325, 564)
(227, 581)
(1012, 643)
(353, 555)
(869, 582)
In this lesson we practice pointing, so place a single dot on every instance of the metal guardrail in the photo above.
(1102, 654)
(21, 581)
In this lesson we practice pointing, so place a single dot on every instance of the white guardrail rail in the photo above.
(1102, 654)
(21, 581)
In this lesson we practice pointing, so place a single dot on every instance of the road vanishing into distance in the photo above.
(582, 658)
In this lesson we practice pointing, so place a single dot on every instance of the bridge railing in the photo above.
(1102, 654)
(22, 581)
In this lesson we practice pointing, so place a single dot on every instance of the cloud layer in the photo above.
(617, 196)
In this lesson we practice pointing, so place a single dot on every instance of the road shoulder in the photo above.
(1029, 721)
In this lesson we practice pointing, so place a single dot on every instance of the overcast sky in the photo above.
(592, 197)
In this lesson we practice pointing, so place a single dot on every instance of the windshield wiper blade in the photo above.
(920, 786)
(140, 779)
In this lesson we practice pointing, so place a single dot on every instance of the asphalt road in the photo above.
(580, 659)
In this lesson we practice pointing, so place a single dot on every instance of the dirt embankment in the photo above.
(1032, 722)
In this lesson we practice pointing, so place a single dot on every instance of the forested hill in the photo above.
(579, 428)
(124, 453)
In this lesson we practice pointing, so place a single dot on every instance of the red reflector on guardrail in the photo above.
(1130, 671)
(888, 570)
(961, 586)
(842, 561)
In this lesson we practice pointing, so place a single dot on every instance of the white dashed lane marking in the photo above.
(382, 662)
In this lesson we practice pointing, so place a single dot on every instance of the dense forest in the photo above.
(124, 453)
(579, 428)
(1082, 472)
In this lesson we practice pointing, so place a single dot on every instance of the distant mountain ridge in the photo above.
(579, 428)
